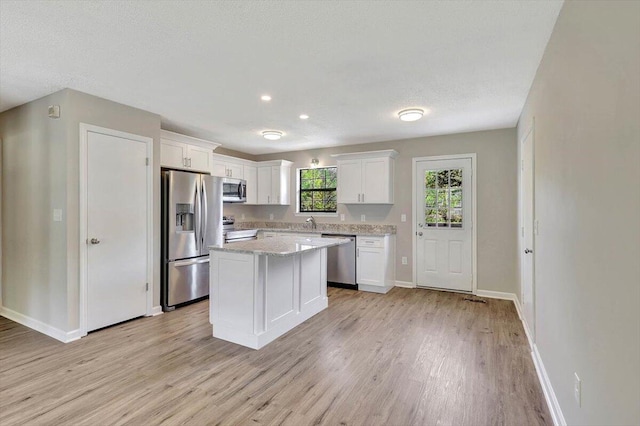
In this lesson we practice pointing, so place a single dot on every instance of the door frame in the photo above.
(83, 204)
(474, 215)
(530, 329)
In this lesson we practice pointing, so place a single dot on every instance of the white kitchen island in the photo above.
(260, 289)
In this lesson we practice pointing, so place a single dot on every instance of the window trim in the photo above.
(298, 189)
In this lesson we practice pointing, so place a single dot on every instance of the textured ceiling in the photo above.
(350, 65)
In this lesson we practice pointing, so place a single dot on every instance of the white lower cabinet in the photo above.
(375, 263)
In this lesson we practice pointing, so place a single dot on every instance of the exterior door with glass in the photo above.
(444, 257)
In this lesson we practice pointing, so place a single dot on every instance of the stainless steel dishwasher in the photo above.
(341, 263)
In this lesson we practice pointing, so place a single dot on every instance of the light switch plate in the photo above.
(270, 216)
(404, 260)
(403, 217)
(362, 218)
(57, 215)
(242, 216)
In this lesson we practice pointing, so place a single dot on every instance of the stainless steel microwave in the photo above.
(234, 190)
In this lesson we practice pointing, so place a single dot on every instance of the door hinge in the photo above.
(146, 286)
(146, 161)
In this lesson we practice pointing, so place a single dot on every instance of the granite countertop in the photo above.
(280, 246)
(359, 229)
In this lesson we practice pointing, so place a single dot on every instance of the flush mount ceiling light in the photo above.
(272, 135)
(265, 98)
(303, 116)
(411, 114)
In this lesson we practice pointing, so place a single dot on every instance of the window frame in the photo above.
(299, 192)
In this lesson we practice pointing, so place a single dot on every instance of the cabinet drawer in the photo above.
(370, 241)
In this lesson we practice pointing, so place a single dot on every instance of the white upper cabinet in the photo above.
(186, 153)
(225, 166)
(250, 174)
(366, 177)
(274, 180)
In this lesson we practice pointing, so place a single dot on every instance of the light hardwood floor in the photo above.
(411, 357)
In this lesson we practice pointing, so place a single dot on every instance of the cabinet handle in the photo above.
(189, 162)
(363, 198)
(358, 197)
(357, 252)
(184, 161)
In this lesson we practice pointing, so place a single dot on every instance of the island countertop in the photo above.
(280, 246)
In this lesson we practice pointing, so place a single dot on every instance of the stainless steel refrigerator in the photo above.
(191, 222)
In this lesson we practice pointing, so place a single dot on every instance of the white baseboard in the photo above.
(547, 389)
(496, 295)
(37, 325)
(156, 310)
(405, 284)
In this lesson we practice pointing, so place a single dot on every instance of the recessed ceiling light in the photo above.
(272, 135)
(303, 116)
(265, 98)
(411, 114)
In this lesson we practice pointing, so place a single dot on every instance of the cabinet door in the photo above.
(218, 168)
(172, 154)
(349, 181)
(199, 158)
(264, 185)
(375, 181)
(250, 174)
(235, 170)
(370, 266)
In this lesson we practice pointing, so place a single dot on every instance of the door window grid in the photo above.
(443, 198)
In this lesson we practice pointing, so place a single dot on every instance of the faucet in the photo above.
(313, 222)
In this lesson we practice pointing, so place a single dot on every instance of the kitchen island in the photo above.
(260, 289)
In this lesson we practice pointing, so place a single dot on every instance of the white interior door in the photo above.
(116, 195)
(528, 292)
(444, 257)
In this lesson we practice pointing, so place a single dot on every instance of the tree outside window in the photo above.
(318, 193)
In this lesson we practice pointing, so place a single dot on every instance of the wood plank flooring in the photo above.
(411, 357)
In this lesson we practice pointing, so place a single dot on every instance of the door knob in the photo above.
(527, 251)
(420, 234)
(94, 241)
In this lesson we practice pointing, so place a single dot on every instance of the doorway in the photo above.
(115, 227)
(444, 234)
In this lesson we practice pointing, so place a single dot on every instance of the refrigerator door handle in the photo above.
(190, 262)
(198, 219)
(205, 215)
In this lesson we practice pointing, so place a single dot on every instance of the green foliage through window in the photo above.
(443, 198)
(318, 192)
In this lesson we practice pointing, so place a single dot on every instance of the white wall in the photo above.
(586, 102)
(497, 194)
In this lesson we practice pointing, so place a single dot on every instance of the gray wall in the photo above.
(41, 172)
(34, 268)
(497, 194)
(586, 103)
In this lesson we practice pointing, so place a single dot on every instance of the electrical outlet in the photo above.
(57, 215)
(342, 217)
(362, 218)
(242, 216)
(577, 389)
(403, 217)
(270, 216)
(404, 260)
